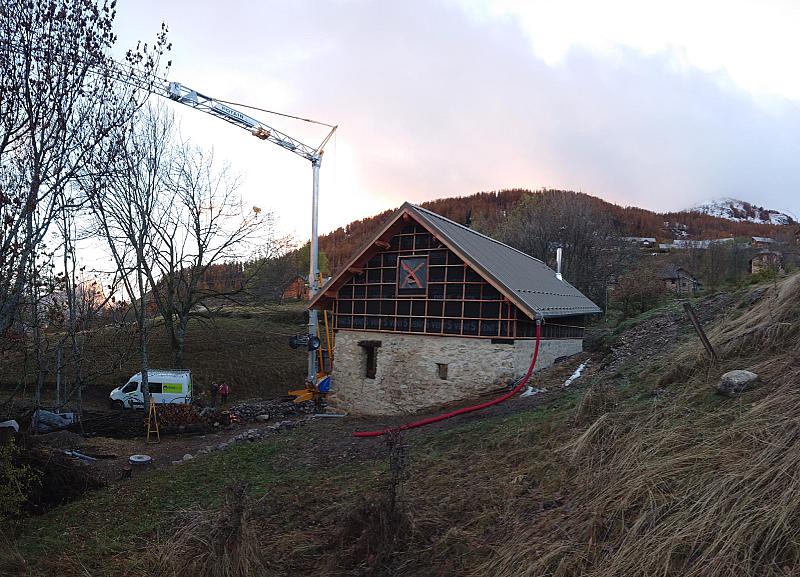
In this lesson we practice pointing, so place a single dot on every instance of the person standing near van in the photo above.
(224, 391)
(214, 391)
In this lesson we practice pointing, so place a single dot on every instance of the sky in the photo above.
(656, 104)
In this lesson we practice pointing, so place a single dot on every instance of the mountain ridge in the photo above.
(487, 210)
(742, 211)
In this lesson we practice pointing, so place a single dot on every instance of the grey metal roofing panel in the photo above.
(533, 282)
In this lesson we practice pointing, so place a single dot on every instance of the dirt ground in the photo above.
(330, 440)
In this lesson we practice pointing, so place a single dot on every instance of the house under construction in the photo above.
(430, 311)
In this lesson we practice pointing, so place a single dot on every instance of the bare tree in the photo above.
(206, 229)
(58, 101)
(593, 253)
(125, 203)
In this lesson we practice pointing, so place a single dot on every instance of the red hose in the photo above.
(471, 409)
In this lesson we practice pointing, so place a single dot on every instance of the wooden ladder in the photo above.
(152, 422)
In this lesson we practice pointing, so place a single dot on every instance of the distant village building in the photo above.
(430, 312)
(766, 260)
(762, 242)
(700, 244)
(643, 242)
(295, 289)
(679, 281)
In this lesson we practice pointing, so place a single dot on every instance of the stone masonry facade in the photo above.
(414, 372)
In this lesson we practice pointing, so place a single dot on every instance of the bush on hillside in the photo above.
(16, 481)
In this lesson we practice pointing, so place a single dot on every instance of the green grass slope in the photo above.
(646, 471)
(245, 346)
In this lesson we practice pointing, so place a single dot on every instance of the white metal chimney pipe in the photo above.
(558, 264)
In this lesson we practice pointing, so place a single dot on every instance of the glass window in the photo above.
(130, 387)
(154, 387)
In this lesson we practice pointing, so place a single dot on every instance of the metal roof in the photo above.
(526, 281)
(536, 286)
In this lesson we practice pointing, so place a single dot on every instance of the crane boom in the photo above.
(130, 75)
(180, 93)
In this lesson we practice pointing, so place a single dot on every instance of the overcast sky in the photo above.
(655, 104)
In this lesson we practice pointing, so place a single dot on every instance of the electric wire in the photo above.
(274, 112)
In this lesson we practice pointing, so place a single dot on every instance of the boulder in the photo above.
(734, 383)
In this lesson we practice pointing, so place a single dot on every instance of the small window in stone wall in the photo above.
(441, 369)
(371, 352)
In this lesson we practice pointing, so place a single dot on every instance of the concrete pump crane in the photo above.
(179, 93)
(130, 75)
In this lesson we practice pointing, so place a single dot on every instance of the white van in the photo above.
(166, 386)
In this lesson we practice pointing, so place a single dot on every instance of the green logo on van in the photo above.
(172, 388)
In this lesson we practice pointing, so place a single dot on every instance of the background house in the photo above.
(766, 260)
(762, 242)
(679, 280)
(430, 311)
(295, 289)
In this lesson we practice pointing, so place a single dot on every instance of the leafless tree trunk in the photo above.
(593, 255)
(206, 225)
(60, 100)
(125, 203)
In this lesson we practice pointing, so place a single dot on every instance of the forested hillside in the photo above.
(487, 211)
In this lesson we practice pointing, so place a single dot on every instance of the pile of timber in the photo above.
(190, 418)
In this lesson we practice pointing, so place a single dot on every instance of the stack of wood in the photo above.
(186, 418)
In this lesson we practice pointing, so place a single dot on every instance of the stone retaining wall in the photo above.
(407, 376)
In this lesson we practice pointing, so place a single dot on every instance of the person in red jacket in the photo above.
(224, 391)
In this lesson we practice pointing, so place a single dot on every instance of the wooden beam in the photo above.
(382, 244)
(355, 270)
(699, 330)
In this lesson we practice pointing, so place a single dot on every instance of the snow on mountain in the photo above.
(740, 211)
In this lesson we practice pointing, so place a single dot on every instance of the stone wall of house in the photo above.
(407, 376)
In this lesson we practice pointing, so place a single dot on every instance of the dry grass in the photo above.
(599, 399)
(684, 489)
(213, 544)
(375, 531)
(11, 560)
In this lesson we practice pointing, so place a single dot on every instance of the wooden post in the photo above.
(699, 329)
